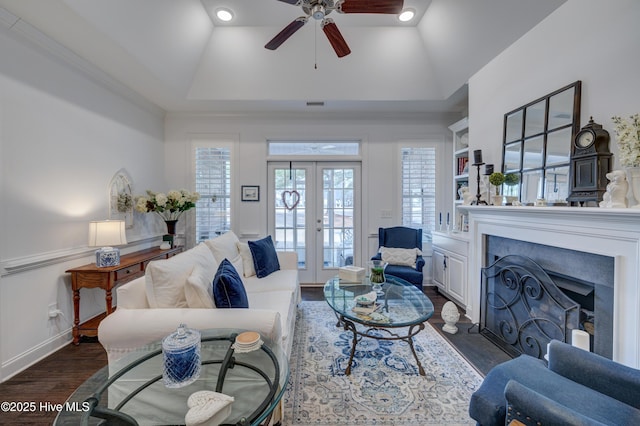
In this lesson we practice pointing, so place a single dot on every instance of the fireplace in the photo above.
(533, 293)
(613, 234)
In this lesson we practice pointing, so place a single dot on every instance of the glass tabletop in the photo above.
(256, 380)
(401, 304)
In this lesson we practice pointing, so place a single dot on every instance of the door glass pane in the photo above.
(289, 216)
(337, 217)
(314, 148)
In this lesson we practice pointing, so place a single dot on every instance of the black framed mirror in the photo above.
(537, 143)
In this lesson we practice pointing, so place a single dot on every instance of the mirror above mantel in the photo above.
(537, 143)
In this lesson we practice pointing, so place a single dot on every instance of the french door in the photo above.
(314, 209)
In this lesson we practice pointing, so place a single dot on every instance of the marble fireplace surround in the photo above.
(607, 232)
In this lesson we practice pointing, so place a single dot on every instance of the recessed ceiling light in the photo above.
(407, 15)
(224, 15)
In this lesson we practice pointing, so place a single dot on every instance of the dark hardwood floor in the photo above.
(55, 378)
(51, 380)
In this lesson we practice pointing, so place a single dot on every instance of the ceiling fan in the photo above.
(319, 9)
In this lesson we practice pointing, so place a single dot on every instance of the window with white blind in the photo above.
(419, 187)
(213, 183)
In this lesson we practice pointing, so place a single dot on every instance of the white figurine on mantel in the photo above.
(465, 195)
(450, 315)
(616, 195)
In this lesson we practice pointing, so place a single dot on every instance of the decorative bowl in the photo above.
(367, 299)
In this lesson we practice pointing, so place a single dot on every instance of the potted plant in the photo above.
(511, 180)
(496, 179)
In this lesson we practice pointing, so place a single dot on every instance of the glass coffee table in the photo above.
(400, 311)
(132, 390)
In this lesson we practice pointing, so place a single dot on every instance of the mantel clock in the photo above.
(589, 165)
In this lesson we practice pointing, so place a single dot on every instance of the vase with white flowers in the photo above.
(628, 140)
(169, 206)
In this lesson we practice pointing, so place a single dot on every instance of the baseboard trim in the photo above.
(35, 354)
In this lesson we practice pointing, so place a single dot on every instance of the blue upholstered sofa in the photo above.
(406, 238)
(576, 388)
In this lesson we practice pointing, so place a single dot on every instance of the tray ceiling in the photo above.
(178, 56)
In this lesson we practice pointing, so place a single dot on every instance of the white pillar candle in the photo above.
(580, 339)
(546, 356)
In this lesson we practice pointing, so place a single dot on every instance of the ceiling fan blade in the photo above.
(335, 38)
(372, 6)
(290, 1)
(287, 32)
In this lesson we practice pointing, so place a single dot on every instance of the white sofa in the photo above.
(175, 291)
(145, 315)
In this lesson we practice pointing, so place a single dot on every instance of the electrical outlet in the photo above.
(53, 310)
(386, 214)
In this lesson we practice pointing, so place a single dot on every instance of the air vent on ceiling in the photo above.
(315, 103)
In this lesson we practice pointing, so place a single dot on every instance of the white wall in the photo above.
(380, 161)
(594, 41)
(63, 135)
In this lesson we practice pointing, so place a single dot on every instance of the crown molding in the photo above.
(95, 74)
(7, 18)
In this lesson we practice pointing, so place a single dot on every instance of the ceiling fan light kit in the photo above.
(318, 12)
(407, 15)
(319, 9)
(224, 15)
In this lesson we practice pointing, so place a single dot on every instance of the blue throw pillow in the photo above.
(228, 289)
(265, 258)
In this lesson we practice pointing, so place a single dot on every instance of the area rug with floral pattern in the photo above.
(384, 387)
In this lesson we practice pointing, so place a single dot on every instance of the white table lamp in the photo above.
(105, 234)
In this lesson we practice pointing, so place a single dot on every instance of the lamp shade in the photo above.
(105, 233)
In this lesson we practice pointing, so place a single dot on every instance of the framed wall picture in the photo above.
(250, 193)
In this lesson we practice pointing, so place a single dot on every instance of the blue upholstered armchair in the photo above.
(576, 388)
(406, 238)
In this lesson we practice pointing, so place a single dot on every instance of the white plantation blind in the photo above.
(213, 183)
(419, 188)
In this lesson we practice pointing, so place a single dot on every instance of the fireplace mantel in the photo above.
(608, 232)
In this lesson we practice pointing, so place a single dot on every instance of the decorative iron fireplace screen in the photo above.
(522, 308)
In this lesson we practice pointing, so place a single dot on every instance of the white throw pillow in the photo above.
(165, 279)
(247, 259)
(399, 256)
(208, 408)
(199, 287)
(224, 246)
(238, 263)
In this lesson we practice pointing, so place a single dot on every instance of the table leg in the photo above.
(108, 300)
(76, 316)
(348, 325)
(413, 351)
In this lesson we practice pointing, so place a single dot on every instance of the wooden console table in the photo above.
(131, 266)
